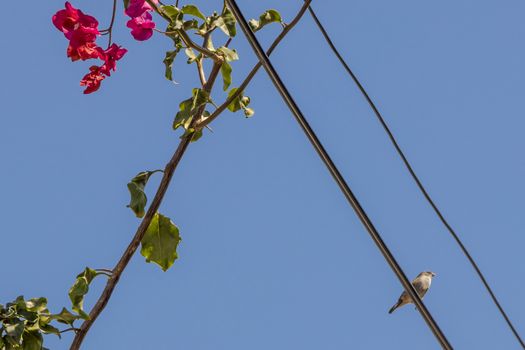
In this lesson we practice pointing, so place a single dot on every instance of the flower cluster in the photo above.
(82, 30)
(141, 23)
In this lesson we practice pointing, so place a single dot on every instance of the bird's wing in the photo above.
(420, 286)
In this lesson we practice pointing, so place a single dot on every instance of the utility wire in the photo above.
(263, 58)
(413, 174)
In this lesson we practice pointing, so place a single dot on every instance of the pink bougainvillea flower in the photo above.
(82, 44)
(83, 52)
(137, 7)
(70, 19)
(92, 80)
(66, 20)
(141, 27)
(82, 31)
(110, 58)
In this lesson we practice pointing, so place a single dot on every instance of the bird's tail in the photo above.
(396, 305)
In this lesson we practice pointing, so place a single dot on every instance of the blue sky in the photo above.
(272, 256)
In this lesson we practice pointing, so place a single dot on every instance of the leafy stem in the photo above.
(203, 123)
(199, 122)
(190, 43)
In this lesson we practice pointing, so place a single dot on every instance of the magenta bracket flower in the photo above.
(141, 23)
(82, 31)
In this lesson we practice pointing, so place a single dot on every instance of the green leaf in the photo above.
(36, 304)
(136, 190)
(235, 105)
(191, 24)
(184, 113)
(15, 330)
(229, 55)
(226, 23)
(226, 71)
(126, 4)
(79, 289)
(196, 135)
(65, 317)
(191, 55)
(267, 17)
(77, 292)
(171, 11)
(200, 97)
(160, 242)
(240, 102)
(32, 340)
(188, 108)
(168, 62)
(193, 11)
(49, 329)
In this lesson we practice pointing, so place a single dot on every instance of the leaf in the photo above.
(193, 11)
(168, 62)
(196, 135)
(191, 55)
(160, 242)
(136, 190)
(49, 329)
(226, 71)
(229, 55)
(235, 105)
(32, 340)
(65, 317)
(191, 24)
(126, 4)
(200, 97)
(188, 108)
(171, 11)
(226, 22)
(240, 102)
(36, 304)
(267, 17)
(79, 289)
(15, 329)
(183, 114)
(208, 44)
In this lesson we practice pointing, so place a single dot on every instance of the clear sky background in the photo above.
(272, 256)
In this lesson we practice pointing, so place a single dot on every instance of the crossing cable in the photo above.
(263, 58)
(413, 173)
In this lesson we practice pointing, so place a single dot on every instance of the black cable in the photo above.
(413, 174)
(263, 58)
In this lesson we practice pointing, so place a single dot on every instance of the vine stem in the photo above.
(110, 28)
(204, 122)
(132, 247)
(169, 170)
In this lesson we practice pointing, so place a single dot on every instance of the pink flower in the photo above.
(70, 19)
(141, 27)
(82, 30)
(82, 44)
(92, 80)
(137, 7)
(83, 52)
(110, 58)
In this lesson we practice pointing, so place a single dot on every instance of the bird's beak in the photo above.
(434, 274)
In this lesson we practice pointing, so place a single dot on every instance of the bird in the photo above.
(421, 284)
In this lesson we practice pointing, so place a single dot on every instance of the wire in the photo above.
(413, 174)
(263, 58)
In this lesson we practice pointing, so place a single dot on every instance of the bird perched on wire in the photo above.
(421, 284)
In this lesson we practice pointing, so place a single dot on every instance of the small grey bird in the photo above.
(421, 284)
